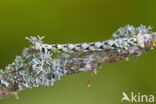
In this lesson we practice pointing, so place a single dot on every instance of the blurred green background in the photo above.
(74, 21)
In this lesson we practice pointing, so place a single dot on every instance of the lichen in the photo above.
(43, 64)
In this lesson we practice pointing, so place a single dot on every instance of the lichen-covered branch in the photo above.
(42, 64)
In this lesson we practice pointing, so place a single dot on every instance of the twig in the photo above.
(42, 64)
